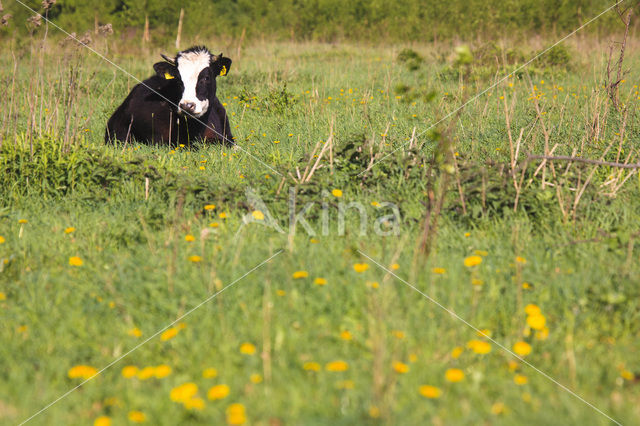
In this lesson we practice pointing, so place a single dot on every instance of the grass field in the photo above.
(103, 247)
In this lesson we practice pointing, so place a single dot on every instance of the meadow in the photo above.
(102, 247)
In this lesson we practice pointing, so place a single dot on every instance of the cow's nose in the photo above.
(188, 106)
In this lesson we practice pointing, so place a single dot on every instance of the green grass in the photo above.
(581, 266)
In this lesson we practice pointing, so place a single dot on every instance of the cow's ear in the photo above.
(165, 70)
(221, 65)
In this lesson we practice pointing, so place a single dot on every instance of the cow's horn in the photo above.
(171, 61)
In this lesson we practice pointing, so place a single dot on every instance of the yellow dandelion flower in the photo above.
(195, 259)
(542, 334)
(2, 296)
(395, 266)
(360, 267)
(280, 292)
(183, 392)
(129, 371)
(320, 281)
(400, 367)
(311, 366)
(137, 416)
(194, 404)
(512, 365)
(346, 335)
(257, 215)
(209, 373)
(438, 271)
(472, 261)
(169, 334)
(23, 221)
(248, 349)
(236, 414)
(75, 261)
(497, 408)
(255, 378)
(526, 286)
(520, 379)
(134, 332)
(218, 392)
(214, 225)
(467, 234)
(337, 366)
(373, 284)
(223, 215)
(161, 371)
(146, 373)
(627, 375)
(189, 238)
(456, 352)
(430, 392)
(522, 348)
(314, 241)
(477, 282)
(454, 375)
(398, 334)
(69, 230)
(210, 207)
(532, 309)
(374, 412)
(337, 193)
(479, 346)
(102, 421)
(537, 321)
(300, 274)
(375, 204)
(82, 372)
(521, 260)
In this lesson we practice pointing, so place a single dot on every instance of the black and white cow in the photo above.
(177, 105)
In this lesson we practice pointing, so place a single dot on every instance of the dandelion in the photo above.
(360, 267)
(467, 234)
(214, 225)
(169, 334)
(337, 193)
(521, 260)
(2, 296)
(300, 274)
(456, 352)
(189, 238)
(479, 346)
(532, 309)
(129, 371)
(314, 241)
(520, 379)
(454, 375)
(248, 349)
(311, 366)
(194, 404)
(209, 373)
(522, 348)
(497, 408)
(280, 292)
(236, 414)
(102, 421)
(255, 378)
(210, 207)
(337, 366)
(223, 215)
(542, 334)
(257, 215)
(137, 416)
(69, 230)
(218, 392)
(627, 375)
(374, 412)
(82, 372)
(400, 367)
(75, 261)
(395, 266)
(439, 271)
(23, 221)
(161, 371)
(346, 335)
(537, 321)
(398, 334)
(472, 261)
(195, 259)
(146, 373)
(477, 282)
(320, 281)
(134, 332)
(429, 391)
(373, 284)
(183, 392)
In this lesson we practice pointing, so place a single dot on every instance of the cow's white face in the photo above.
(194, 73)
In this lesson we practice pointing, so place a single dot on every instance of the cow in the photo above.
(177, 105)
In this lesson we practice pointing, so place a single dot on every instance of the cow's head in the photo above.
(195, 69)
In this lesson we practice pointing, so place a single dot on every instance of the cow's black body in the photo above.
(150, 114)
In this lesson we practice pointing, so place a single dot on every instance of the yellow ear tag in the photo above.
(223, 71)
(168, 76)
